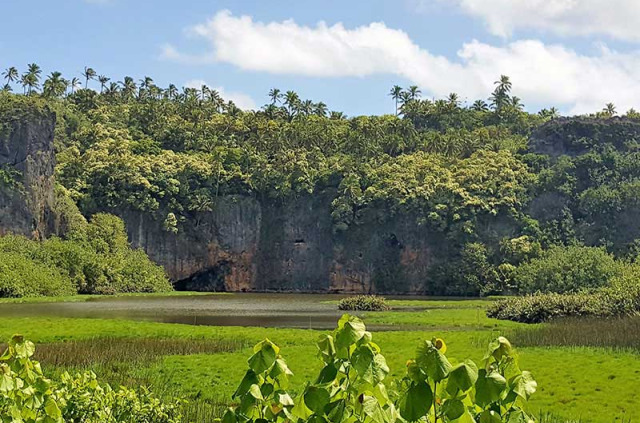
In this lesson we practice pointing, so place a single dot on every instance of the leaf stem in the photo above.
(435, 390)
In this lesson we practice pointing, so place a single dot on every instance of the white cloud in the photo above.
(242, 100)
(542, 74)
(618, 19)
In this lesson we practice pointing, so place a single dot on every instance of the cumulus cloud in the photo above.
(542, 74)
(242, 100)
(618, 19)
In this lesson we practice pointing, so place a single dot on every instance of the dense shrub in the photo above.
(566, 270)
(351, 385)
(363, 303)
(26, 395)
(621, 298)
(96, 259)
(23, 277)
(543, 307)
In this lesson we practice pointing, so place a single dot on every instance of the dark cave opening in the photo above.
(210, 279)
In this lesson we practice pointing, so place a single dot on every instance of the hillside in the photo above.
(442, 199)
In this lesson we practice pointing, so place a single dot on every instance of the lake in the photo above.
(313, 311)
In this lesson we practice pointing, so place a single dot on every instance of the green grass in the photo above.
(442, 318)
(590, 384)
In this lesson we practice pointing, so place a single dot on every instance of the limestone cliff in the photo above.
(246, 245)
(27, 160)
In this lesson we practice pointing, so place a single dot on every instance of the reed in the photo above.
(615, 333)
(104, 351)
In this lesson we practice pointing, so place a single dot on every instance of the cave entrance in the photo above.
(210, 279)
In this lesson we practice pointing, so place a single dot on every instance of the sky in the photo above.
(575, 55)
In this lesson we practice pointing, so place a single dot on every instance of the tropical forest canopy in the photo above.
(460, 171)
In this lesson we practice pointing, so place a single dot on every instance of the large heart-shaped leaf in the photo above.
(416, 402)
(489, 387)
(462, 377)
(432, 361)
(316, 399)
(524, 385)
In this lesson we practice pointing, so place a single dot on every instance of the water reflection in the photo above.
(265, 310)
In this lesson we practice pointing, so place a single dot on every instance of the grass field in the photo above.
(204, 363)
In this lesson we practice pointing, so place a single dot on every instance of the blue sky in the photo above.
(575, 57)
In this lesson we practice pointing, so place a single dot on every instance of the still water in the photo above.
(267, 310)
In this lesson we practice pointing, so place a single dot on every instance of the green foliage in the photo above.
(364, 303)
(95, 260)
(492, 184)
(9, 179)
(22, 277)
(26, 395)
(567, 269)
(350, 386)
(620, 298)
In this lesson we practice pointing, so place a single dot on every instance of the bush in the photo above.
(621, 298)
(567, 270)
(363, 303)
(22, 277)
(350, 387)
(95, 260)
(26, 395)
(543, 307)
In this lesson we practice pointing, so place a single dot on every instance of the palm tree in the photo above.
(414, 92)
(274, 94)
(306, 107)
(10, 75)
(480, 106)
(88, 74)
(145, 86)
(500, 96)
(34, 69)
(337, 115)
(551, 113)
(112, 89)
(171, 92)
(6, 88)
(128, 87)
(29, 82)
(24, 81)
(453, 100)
(395, 93)
(204, 91)
(75, 83)
(292, 102)
(405, 97)
(103, 82)
(609, 109)
(320, 109)
(516, 103)
(55, 85)
(31, 78)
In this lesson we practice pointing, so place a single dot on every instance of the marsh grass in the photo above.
(107, 351)
(614, 333)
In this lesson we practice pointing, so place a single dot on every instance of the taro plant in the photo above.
(27, 396)
(351, 387)
(262, 392)
(439, 391)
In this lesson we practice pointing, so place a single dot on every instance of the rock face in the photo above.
(577, 135)
(244, 245)
(27, 160)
